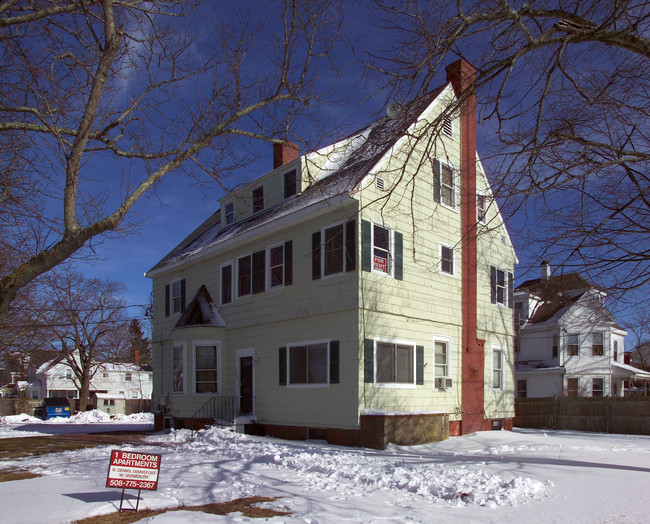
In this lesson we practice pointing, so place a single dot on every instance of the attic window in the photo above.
(379, 182)
(230, 213)
(258, 199)
(447, 127)
(290, 184)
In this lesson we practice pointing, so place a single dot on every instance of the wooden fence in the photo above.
(605, 415)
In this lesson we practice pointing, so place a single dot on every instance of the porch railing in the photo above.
(218, 411)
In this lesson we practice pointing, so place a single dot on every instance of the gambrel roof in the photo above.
(343, 171)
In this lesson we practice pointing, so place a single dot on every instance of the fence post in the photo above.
(555, 410)
(608, 414)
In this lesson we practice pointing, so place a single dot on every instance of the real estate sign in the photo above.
(131, 470)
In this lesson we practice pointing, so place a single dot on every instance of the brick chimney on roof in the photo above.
(283, 153)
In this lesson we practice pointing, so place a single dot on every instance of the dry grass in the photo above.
(7, 475)
(246, 506)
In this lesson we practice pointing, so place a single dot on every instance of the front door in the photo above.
(246, 385)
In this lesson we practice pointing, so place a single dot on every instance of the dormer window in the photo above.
(258, 199)
(230, 213)
(290, 184)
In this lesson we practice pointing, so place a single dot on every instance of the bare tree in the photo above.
(563, 98)
(101, 99)
(83, 319)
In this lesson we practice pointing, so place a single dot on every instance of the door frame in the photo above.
(239, 354)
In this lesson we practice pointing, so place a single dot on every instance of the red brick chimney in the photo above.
(283, 153)
(462, 75)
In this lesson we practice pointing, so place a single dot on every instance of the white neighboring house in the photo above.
(568, 342)
(110, 386)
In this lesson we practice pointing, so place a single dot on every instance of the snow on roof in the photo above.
(347, 163)
(110, 395)
(632, 371)
(201, 311)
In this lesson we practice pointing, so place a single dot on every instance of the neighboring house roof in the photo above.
(630, 371)
(343, 171)
(557, 294)
(106, 366)
(201, 311)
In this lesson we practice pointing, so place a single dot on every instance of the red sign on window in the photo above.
(380, 263)
(130, 470)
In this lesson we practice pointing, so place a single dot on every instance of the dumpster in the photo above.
(56, 407)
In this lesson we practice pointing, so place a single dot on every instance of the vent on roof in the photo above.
(447, 128)
(503, 239)
(380, 184)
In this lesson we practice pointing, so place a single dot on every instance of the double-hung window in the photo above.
(497, 368)
(395, 363)
(573, 387)
(501, 287)
(251, 274)
(522, 388)
(382, 247)
(178, 369)
(333, 250)
(573, 344)
(280, 265)
(446, 260)
(441, 358)
(258, 199)
(481, 209)
(444, 190)
(597, 344)
(290, 184)
(230, 213)
(206, 359)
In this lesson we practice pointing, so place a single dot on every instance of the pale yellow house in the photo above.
(361, 293)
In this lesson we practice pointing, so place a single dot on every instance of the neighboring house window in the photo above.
(522, 387)
(573, 387)
(178, 369)
(104, 375)
(226, 284)
(447, 260)
(308, 364)
(230, 213)
(290, 184)
(333, 250)
(597, 340)
(556, 340)
(481, 209)
(68, 373)
(175, 297)
(444, 188)
(501, 287)
(573, 344)
(615, 350)
(497, 368)
(127, 376)
(258, 199)
(597, 387)
(281, 265)
(206, 360)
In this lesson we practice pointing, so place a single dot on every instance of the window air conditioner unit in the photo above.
(443, 383)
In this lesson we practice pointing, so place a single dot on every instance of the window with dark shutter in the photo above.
(369, 360)
(282, 360)
(315, 256)
(334, 362)
(350, 245)
(288, 263)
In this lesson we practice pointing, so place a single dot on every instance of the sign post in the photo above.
(131, 470)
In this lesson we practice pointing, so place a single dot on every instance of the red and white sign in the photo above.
(380, 263)
(131, 470)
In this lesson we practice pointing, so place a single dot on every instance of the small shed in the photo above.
(56, 407)
(109, 403)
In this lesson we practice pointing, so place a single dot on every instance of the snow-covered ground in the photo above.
(520, 476)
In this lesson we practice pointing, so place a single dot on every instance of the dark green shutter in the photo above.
(334, 362)
(366, 247)
(350, 245)
(259, 272)
(399, 256)
(167, 298)
(493, 284)
(419, 365)
(288, 263)
(182, 295)
(368, 361)
(511, 290)
(315, 256)
(282, 359)
(436, 180)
